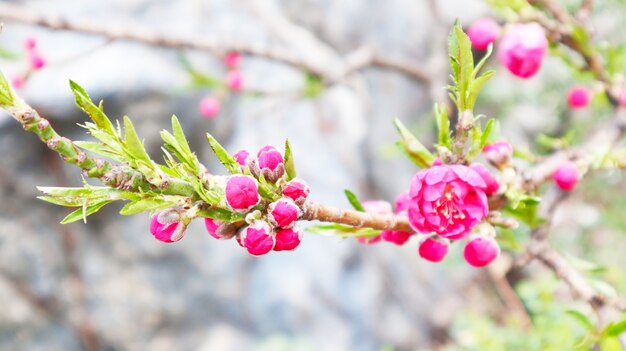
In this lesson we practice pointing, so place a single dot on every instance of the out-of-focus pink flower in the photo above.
(17, 81)
(258, 238)
(622, 98)
(490, 180)
(483, 32)
(242, 157)
(297, 190)
(437, 162)
(283, 213)
(499, 153)
(448, 200)
(566, 176)
(402, 202)
(242, 192)
(578, 97)
(30, 43)
(481, 250)
(288, 239)
(234, 80)
(369, 239)
(165, 227)
(523, 49)
(270, 163)
(433, 249)
(209, 107)
(36, 60)
(395, 236)
(232, 59)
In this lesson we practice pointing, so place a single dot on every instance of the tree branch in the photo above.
(313, 211)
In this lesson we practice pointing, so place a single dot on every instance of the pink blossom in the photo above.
(209, 107)
(481, 250)
(283, 213)
(166, 227)
(448, 200)
(270, 163)
(30, 43)
(234, 80)
(402, 202)
(288, 239)
(232, 59)
(483, 32)
(437, 162)
(297, 190)
(566, 176)
(219, 229)
(258, 238)
(242, 157)
(433, 249)
(369, 239)
(523, 48)
(36, 61)
(17, 81)
(395, 236)
(490, 180)
(578, 97)
(242, 192)
(499, 153)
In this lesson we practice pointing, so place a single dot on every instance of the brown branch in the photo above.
(313, 211)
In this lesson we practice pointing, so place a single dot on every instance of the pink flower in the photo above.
(166, 227)
(433, 249)
(369, 239)
(523, 48)
(448, 200)
(242, 157)
(209, 107)
(232, 59)
(257, 238)
(499, 153)
(234, 80)
(270, 163)
(481, 250)
(242, 192)
(219, 229)
(402, 202)
(35, 60)
(288, 239)
(483, 32)
(30, 43)
(490, 180)
(566, 176)
(578, 97)
(297, 190)
(283, 213)
(17, 81)
(395, 236)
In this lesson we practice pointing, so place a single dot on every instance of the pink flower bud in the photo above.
(30, 43)
(234, 80)
(297, 190)
(288, 239)
(481, 250)
(433, 249)
(437, 162)
(209, 107)
(483, 32)
(369, 239)
(523, 48)
(566, 176)
(283, 213)
(17, 81)
(166, 228)
(396, 237)
(402, 202)
(242, 192)
(258, 238)
(499, 153)
(578, 97)
(490, 180)
(219, 229)
(35, 60)
(242, 157)
(270, 163)
(232, 59)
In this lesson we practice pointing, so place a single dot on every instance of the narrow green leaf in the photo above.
(443, 125)
(290, 167)
(487, 133)
(134, 146)
(221, 214)
(142, 205)
(482, 62)
(582, 319)
(476, 87)
(83, 212)
(180, 136)
(354, 201)
(267, 190)
(413, 148)
(466, 66)
(6, 94)
(617, 328)
(225, 158)
(83, 101)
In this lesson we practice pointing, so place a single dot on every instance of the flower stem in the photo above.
(314, 211)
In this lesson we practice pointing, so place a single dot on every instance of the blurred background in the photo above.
(108, 285)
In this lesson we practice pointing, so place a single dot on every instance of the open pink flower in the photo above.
(481, 250)
(242, 192)
(297, 190)
(288, 239)
(448, 200)
(257, 238)
(523, 49)
(283, 213)
(578, 97)
(483, 32)
(165, 227)
(433, 249)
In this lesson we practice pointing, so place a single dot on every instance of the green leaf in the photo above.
(412, 146)
(6, 94)
(267, 190)
(134, 146)
(142, 205)
(180, 136)
(9, 55)
(354, 201)
(476, 87)
(313, 86)
(615, 329)
(225, 158)
(221, 214)
(443, 125)
(482, 62)
(83, 212)
(83, 101)
(486, 137)
(582, 319)
(290, 167)
(342, 231)
(466, 66)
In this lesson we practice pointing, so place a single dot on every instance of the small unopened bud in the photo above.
(209, 107)
(234, 80)
(17, 81)
(36, 61)
(288, 239)
(566, 176)
(499, 154)
(297, 190)
(395, 236)
(433, 248)
(257, 238)
(242, 157)
(481, 250)
(578, 97)
(219, 229)
(283, 213)
(242, 193)
(165, 231)
(483, 32)
(30, 43)
(523, 49)
(270, 163)
(232, 59)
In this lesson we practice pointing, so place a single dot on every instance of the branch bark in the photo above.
(313, 211)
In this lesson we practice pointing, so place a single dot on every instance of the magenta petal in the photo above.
(438, 174)
(434, 192)
(469, 175)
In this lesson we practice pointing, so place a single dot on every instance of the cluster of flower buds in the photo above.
(34, 60)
